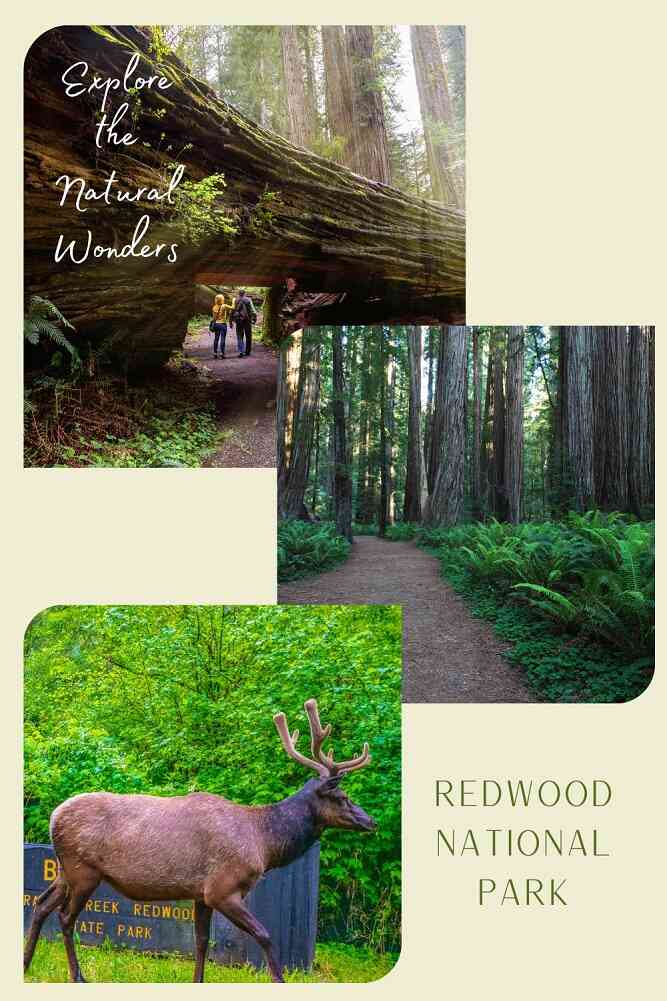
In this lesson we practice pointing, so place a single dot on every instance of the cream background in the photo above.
(565, 116)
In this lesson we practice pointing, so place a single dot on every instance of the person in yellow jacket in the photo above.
(218, 326)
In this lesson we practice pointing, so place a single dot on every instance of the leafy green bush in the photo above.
(308, 548)
(168, 700)
(584, 587)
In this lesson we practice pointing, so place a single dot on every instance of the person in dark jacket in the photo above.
(245, 315)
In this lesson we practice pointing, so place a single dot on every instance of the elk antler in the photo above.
(321, 762)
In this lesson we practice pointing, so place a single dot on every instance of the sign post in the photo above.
(285, 901)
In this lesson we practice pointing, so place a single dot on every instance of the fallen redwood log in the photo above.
(293, 214)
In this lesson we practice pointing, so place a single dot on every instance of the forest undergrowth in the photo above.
(101, 420)
(307, 548)
(575, 598)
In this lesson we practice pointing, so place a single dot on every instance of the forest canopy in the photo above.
(448, 424)
(318, 85)
(168, 700)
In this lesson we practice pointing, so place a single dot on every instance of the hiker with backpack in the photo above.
(244, 315)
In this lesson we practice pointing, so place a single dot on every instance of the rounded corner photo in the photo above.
(497, 482)
(177, 827)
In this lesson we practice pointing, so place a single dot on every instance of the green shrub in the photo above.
(306, 548)
(401, 531)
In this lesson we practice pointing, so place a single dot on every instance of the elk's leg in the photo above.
(235, 910)
(202, 935)
(47, 902)
(80, 890)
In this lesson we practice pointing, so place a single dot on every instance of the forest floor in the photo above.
(448, 656)
(244, 393)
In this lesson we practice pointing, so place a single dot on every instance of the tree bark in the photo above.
(370, 154)
(642, 473)
(514, 424)
(391, 445)
(415, 483)
(364, 513)
(342, 482)
(310, 88)
(328, 228)
(500, 506)
(578, 416)
(610, 350)
(476, 427)
(430, 389)
(486, 463)
(383, 514)
(436, 112)
(292, 499)
(446, 501)
(338, 90)
(287, 394)
(300, 129)
(438, 421)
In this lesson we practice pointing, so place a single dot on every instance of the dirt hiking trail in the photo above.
(244, 392)
(448, 656)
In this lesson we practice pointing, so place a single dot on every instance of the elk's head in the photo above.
(334, 807)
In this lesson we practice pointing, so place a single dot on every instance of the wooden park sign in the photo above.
(284, 900)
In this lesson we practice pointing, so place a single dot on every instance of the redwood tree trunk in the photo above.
(438, 420)
(446, 501)
(611, 416)
(287, 393)
(338, 90)
(500, 507)
(300, 129)
(342, 482)
(514, 424)
(642, 486)
(578, 416)
(486, 463)
(383, 518)
(364, 513)
(436, 112)
(414, 474)
(477, 427)
(292, 501)
(370, 154)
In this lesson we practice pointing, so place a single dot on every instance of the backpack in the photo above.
(242, 309)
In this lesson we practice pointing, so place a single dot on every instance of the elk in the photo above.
(198, 847)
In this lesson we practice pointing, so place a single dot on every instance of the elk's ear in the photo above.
(329, 785)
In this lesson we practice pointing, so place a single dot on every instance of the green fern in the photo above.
(555, 604)
(42, 320)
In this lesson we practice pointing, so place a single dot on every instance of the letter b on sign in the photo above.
(50, 870)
